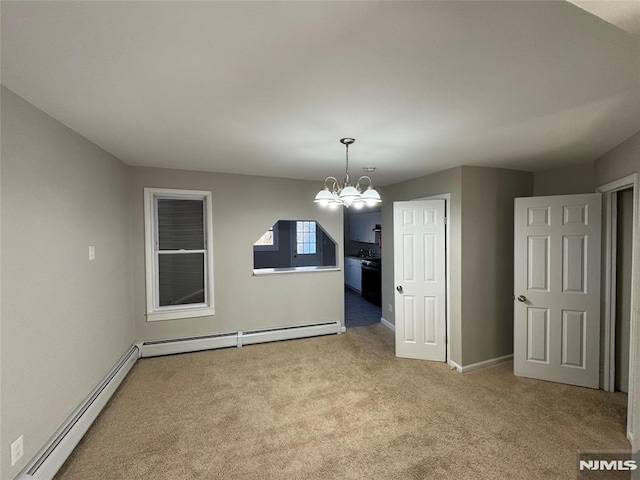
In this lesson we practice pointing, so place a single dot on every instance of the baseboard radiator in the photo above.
(236, 339)
(50, 458)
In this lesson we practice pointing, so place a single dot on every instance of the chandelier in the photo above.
(334, 193)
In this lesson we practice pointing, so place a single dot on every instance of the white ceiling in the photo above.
(268, 88)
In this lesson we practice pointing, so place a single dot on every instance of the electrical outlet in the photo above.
(390, 307)
(17, 450)
(92, 252)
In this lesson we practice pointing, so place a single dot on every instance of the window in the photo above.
(306, 238)
(178, 254)
(268, 241)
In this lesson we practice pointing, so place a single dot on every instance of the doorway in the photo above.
(620, 262)
(362, 266)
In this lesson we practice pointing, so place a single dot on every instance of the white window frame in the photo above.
(154, 311)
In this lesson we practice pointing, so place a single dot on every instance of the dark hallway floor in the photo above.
(359, 312)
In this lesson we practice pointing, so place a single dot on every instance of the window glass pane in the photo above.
(180, 224)
(266, 239)
(181, 278)
(306, 238)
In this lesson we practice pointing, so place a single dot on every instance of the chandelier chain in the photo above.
(347, 179)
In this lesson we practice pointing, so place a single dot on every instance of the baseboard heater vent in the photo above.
(184, 345)
(288, 333)
(237, 339)
(52, 456)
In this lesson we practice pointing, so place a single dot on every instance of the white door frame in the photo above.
(609, 192)
(447, 233)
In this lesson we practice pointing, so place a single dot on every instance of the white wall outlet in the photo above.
(92, 252)
(390, 307)
(17, 450)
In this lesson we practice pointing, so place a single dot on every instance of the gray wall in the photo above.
(487, 260)
(244, 207)
(481, 243)
(565, 181)
(619, 162)
(623, 160)
(65, 320)
(447, 181)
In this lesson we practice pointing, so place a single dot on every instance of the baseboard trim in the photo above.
(52, 456)
(484, 364)
(388, 324)
(237, 339)
(454, 365)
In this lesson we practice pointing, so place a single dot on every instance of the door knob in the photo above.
(399, 288)
(522, 298)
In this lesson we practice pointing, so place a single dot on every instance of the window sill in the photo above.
(180, 314)
(281, 271)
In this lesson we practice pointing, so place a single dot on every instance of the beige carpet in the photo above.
(340, 407)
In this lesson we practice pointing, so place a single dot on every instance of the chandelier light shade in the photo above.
(335, 194)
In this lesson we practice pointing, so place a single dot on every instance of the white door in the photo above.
(557, 288)
(420, 279)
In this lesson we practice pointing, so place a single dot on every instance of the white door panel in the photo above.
(419, 274)
(557, 288)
